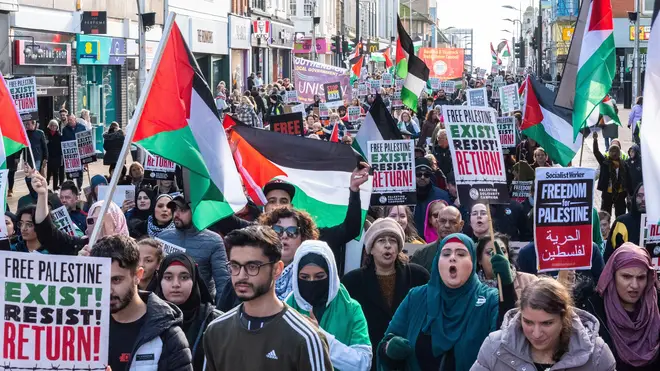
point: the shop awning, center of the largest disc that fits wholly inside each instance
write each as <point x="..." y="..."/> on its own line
<point x="9" y="5"/>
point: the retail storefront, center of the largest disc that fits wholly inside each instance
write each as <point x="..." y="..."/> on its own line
<point x="624" y="39"/>
<point x="208" y="42"/>
<point x="98" y="76"/>
<point x="260" y="48"/>
<point x="281" y="46"/>
<point x="239" y="47"/>
<point x="303" y="48"/>
<point x="48" y="56"/>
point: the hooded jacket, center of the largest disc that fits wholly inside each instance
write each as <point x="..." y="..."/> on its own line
<point x="343" y="322"/>
<point x="161" y="346"/>
<point x="633" y="167"/>
<point x="625" y="228"/>
<point x="112" y="143"/>
<point x="508" y="349"/>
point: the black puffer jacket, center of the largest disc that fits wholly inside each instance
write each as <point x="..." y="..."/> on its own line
<point x="54" y="144"/>
<point x="633" y="167"/>
<point x="112" y="143"/>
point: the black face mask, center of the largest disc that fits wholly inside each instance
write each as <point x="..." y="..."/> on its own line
<point x="315" y="292"/>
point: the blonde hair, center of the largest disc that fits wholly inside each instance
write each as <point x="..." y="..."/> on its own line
<point x="53" y="122"/>
<point x="246" y="101"/>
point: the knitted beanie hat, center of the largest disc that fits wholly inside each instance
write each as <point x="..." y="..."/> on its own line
<point x="380" y="227"/>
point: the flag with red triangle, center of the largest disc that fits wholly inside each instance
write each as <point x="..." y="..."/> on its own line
<point x="334" y="136"/>
<point x="14" y="137"/>
<point x="388" y="59"/>
<point x="356" y="65"/>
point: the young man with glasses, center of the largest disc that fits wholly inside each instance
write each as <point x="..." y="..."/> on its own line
<point x="265" y="333"/>
<point x="450" y="221"/>
<point x="292" y="227"/>
<point x="426" y="191"/>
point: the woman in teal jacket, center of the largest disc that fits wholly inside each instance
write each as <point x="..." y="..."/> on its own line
<point x="441" y="325"/>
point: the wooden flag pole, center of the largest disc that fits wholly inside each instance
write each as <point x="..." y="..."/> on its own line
<point x="132" y="126"/>
<point x="492" y="238"/>
<point x="581" y="150"/>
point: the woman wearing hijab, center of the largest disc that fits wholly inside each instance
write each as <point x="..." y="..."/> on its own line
<point x="136" y="217"/>
<point x="161" y="218"/>
<point x="181" y="284"/>
<point x="11" y="222"/>
<point x="545" y="333"/>
<point x="626" y="305"/>
<point x="439" y="325"/>
<point x="386" y="278"/>
<point x="317" y="293"/>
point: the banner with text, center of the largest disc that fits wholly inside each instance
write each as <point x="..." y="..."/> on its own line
<point x="476" y="154"/>
<point x="509" y="98"/>
<point x="24" y="93"/>
<point x="310" y="77"/>
<point x="506" y="126"/>
<point x="55" y="311"/>
<point x="288" y="123"/>
<point x="521" y="190"/>
<point x="158" y="168"/>
<point x="333" y="96"/>
<point x="72" y="164"/>
<point x="63" y="222"/>
<point x="443" y="63"/>
<point x="393" y="164"/>
<point x="649" y="238"/>
<point x="563" y="218"/>
<point x="86" y="147"/>
<point x="477" y="97"/>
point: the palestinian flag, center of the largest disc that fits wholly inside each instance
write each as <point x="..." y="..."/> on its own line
<point x="356" y="65"/>
<point x="378" y="125"/>
<point x="410" y="68"/>
<point x="650" y="114"/>
<point x="597" y="60"/>
<point x="493" y="54"/>
<point x="14" y="137"/>
<point x="178" y="120"/>
<point x="507" y="51"/>
<point x="388" y="59"/>
<point x="320" y="171"/>
<point x="548" y="124"/>
<point x="606" y="108"/>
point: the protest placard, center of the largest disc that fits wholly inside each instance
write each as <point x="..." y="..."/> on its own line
<point x="435" y="83"/>
<point x="291" y="96"/>
<point x="506" y="126"/>
<point x="324" y="111"/>
<point x="563" y="218"/>
<point x="122" y="192"/>
<point x="55" y="311"/>
<point x="396" y="100"/>
<point x="393" y="164"/>
<point x="333" y="95"/>
<point x="550" y="86"/>
<point x="353" y="113"/>
<point x="375" y="86"/>
<point x="63" y="222"/>
<point x="158" y="168"/>
<point x="24" y="93"/>
<point x="362" y="90"/>
<point x="448" y="86"/>
<point x="521" y="190"/>
<point x="398" y="84"/>
<point x="477" y="97"/>
<point x="86" y="147"/>
<point x="310" y="77"/>
<point x="72" y="164"/>
<point x="170" y="248"/>
<point x="649" y="238"/>
<point x="386" y="80"/>
<point x="509" y="98"/>
<point x="288" y="123"/>
<point x="476" y="154"/>
<point x="300" y="107"/>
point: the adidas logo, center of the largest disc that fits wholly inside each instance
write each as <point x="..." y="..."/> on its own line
<point x="271" y="354"/>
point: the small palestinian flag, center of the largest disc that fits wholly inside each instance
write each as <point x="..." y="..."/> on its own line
<point x="14" y="137"/>
<point x="493" y="54"/>
<point x="356" y="65"/>
<point x="388" y="59"/>
<point x="178" y="120"/>
<point x="378" y="125"/>
<point x="416" y="71"/>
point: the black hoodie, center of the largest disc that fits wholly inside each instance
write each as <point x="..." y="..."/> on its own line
<point x="625" y="228"/>
<point x="633" y="167"/>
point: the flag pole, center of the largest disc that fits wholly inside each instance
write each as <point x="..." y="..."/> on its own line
<point x="132" y="126"/>
<point x="581" y="150"/>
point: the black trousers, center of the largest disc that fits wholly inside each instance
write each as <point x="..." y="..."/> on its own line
<point x="57" y="173"/>
<point x="607" y="201"/>
<point x="10" y="179"/>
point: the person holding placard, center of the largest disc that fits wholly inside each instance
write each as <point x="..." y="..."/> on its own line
<point x="626" y="228"/>
<point x="144" y="329"/>
<point x="29" y="241"/>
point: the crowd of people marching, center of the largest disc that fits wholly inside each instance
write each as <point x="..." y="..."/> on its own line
<point x="267" y="289"/>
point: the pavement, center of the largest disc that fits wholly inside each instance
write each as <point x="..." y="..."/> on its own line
<point x="588" y="160"/>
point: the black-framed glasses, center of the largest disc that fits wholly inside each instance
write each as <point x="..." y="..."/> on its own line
<point x="291" y="232"/>
<point x="423" y="175"/>
<point x="252" y="269"/>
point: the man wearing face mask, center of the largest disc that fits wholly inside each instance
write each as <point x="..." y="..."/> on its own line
<point x="626" y="227"/>
<point x="426" y="191"/>
<point x="318" y="294"/>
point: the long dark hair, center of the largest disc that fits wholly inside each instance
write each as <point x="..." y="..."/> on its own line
<point x="552" y="297"/>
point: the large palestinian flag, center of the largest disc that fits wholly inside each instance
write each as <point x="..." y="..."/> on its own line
<point x="378" y="125"/>
<point x="178" y="120"/>
<point x="320" y="171"/>
<point x="410" y="68"/>
<point x="547" y="124"/>
<point x="14" y="137"/>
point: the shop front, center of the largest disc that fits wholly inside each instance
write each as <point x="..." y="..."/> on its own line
<point x="303" y="48"/>
<point x="47" y="56"/>
<point x="281" y="46"/>
<point x="239" y="47"/>
<point x="260" y="48"/>
<point x="208" y="42"/>
<point x="624" y="39"/>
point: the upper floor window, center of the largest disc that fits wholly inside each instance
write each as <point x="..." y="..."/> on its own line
<point x="308" y="8"/>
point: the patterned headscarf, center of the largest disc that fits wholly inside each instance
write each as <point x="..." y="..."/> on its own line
<point x="118" y="218"/>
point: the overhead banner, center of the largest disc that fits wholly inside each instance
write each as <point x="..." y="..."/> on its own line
<point x="288" y="123"/>
<point x="563" y="218"/>
<point x="506" y="126"/>
<point x="443" y="63"/>
<point x="86" y="146"/>
<point x="509" y="98"/>
<point x="158" y="168"/>
<point x="24" y="93"/>
<point x="477" y="97"/>
<point x="476" y="153"/>
<point x="332" y="93"/>
<point x="72" y="164"/>
<point x="311" y="76"/>
<point x="55" y="311"/>
<point x="393" y="164"/>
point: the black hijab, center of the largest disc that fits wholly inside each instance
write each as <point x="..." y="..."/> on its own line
<point x="199" y="296"/>
<point x="144" y="214"/>
<point x="314" y="292"/>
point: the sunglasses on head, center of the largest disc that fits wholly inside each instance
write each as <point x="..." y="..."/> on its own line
<point x="291" y="232"/>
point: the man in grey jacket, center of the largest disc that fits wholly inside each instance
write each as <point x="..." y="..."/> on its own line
<point x="206" y="247"/>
